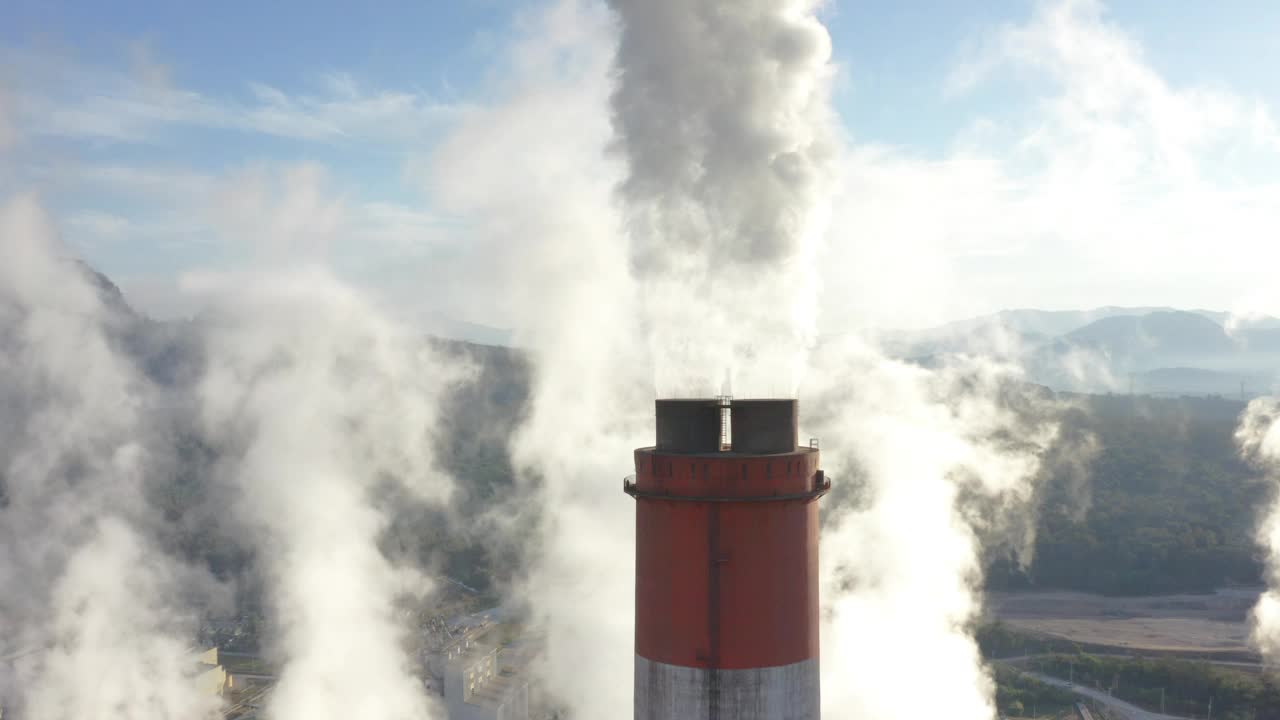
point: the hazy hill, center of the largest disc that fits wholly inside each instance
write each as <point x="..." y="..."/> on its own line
<point x="1050" y="323"/>
<point x="1113" y="349"/>
<point x="112" y="299"/>
<point x="1158" y="333"/>
<point x="1167" y="506"/>
<point x="481" y="414"/>
<point x="1022" y="326"/>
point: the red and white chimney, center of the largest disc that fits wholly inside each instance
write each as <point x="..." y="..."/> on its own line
<point x="727" y="564"/>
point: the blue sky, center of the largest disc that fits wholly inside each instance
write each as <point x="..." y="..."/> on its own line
<point x="161" y="133"/>
<point x="897" y="54"/>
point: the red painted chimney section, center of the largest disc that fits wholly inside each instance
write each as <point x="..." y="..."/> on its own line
<point x="727" y="564"/>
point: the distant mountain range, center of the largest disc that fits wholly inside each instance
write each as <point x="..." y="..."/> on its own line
<point x="171" y="352"/>
<point x="1114" y="349"/>
<point x="1145" y="350"/>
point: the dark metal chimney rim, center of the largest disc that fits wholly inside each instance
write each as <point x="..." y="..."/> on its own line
<point x="748" y="426"/>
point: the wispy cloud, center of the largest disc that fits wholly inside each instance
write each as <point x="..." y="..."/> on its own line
<point x="343" y="108"/>
<point x="155" y="181"/>
<point x="1122" y="181"/>
<point x="100" y="224"/>
<point x="139" y="102"/>
<point x="288" y="212"/>
<point x="8" y="133"/>
<point x="1107" y="182"/>
<point x="261" y="214"/>
<point x="147" y="224"/>
<point x="1104" y="82"/>
<point x="399" y="226"/>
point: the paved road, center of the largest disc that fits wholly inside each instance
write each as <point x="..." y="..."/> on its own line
<point x="1239" y="664"/>
<point x="1119" y="707"/>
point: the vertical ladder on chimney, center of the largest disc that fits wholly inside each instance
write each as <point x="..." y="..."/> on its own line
<point x="726" y="428"/>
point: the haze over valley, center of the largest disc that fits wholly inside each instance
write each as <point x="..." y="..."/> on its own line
<point x="667" y="359"/>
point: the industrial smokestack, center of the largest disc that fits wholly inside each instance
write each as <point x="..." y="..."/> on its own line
<point x="726" y="564"/>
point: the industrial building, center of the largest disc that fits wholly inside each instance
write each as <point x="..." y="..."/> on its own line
<point x="727" y="563"/>
<point x="480" y="678"/>
<point x="211" y="677"/>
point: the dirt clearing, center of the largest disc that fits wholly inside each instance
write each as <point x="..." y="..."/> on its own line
<point x="1212" y="624"/>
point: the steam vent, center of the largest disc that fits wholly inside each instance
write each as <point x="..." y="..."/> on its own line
<point x="726" y="564"/>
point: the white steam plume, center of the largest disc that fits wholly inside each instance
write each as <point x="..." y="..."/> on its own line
<point x="716" y="265"/>
<point x="1259" y="437"/>
<point x="533" y="175"/>
<point x="722" y="110"/>
<point x="943" y="464"/>
<point x="319" y="403"/>
<point x="88" y="603"/>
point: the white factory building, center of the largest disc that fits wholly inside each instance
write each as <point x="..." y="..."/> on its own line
<point x="479" y="679"/>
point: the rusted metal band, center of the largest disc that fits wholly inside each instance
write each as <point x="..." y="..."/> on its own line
<point x="630" y="489"/>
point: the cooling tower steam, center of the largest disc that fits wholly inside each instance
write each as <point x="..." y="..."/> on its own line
<point x="705" y="253"/>
<point x="84" y="595"/>
<point x="1259" y="437"/>
<point x="700" y="249"/>
<point x="549" y="214"/>
<point x="721" y="109"/>
<point x="320" y="405"/>
<point x="943" y="466"/>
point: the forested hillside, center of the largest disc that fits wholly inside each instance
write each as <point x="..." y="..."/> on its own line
<point x="1169" y="505"/>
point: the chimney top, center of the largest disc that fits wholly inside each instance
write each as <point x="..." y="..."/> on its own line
<point x="711" y="425"/>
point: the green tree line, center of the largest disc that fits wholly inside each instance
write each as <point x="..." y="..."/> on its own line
<point x="1168" y="505"/>
<point x="1185" y="687"/>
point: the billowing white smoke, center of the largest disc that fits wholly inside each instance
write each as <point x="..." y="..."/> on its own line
<point x="722" y="111"/>
<point x="85" y="599"/>
<point x="1259" y="437"/>
<point x="319" y="404"/>
<point x="322" y="412"/>
<point x="942" y="463"/>
<point x="533" y="175"/>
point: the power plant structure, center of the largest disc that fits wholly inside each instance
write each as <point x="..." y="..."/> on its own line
<point x="727" y="564"/>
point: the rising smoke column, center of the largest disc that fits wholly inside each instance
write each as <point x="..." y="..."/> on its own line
<point x="722" y="111"/>
<point x="719" y="110"/>
<point x="706" y="119"/>
<point x="1259" y="437"/>
<point x="943" y="466"/>
<point x="319" y="403"/>
<point x="533" y="178"/>
<point x="84" y="597"/>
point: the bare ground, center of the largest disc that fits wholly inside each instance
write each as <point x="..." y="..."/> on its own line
<point x="1214" y="624"/>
